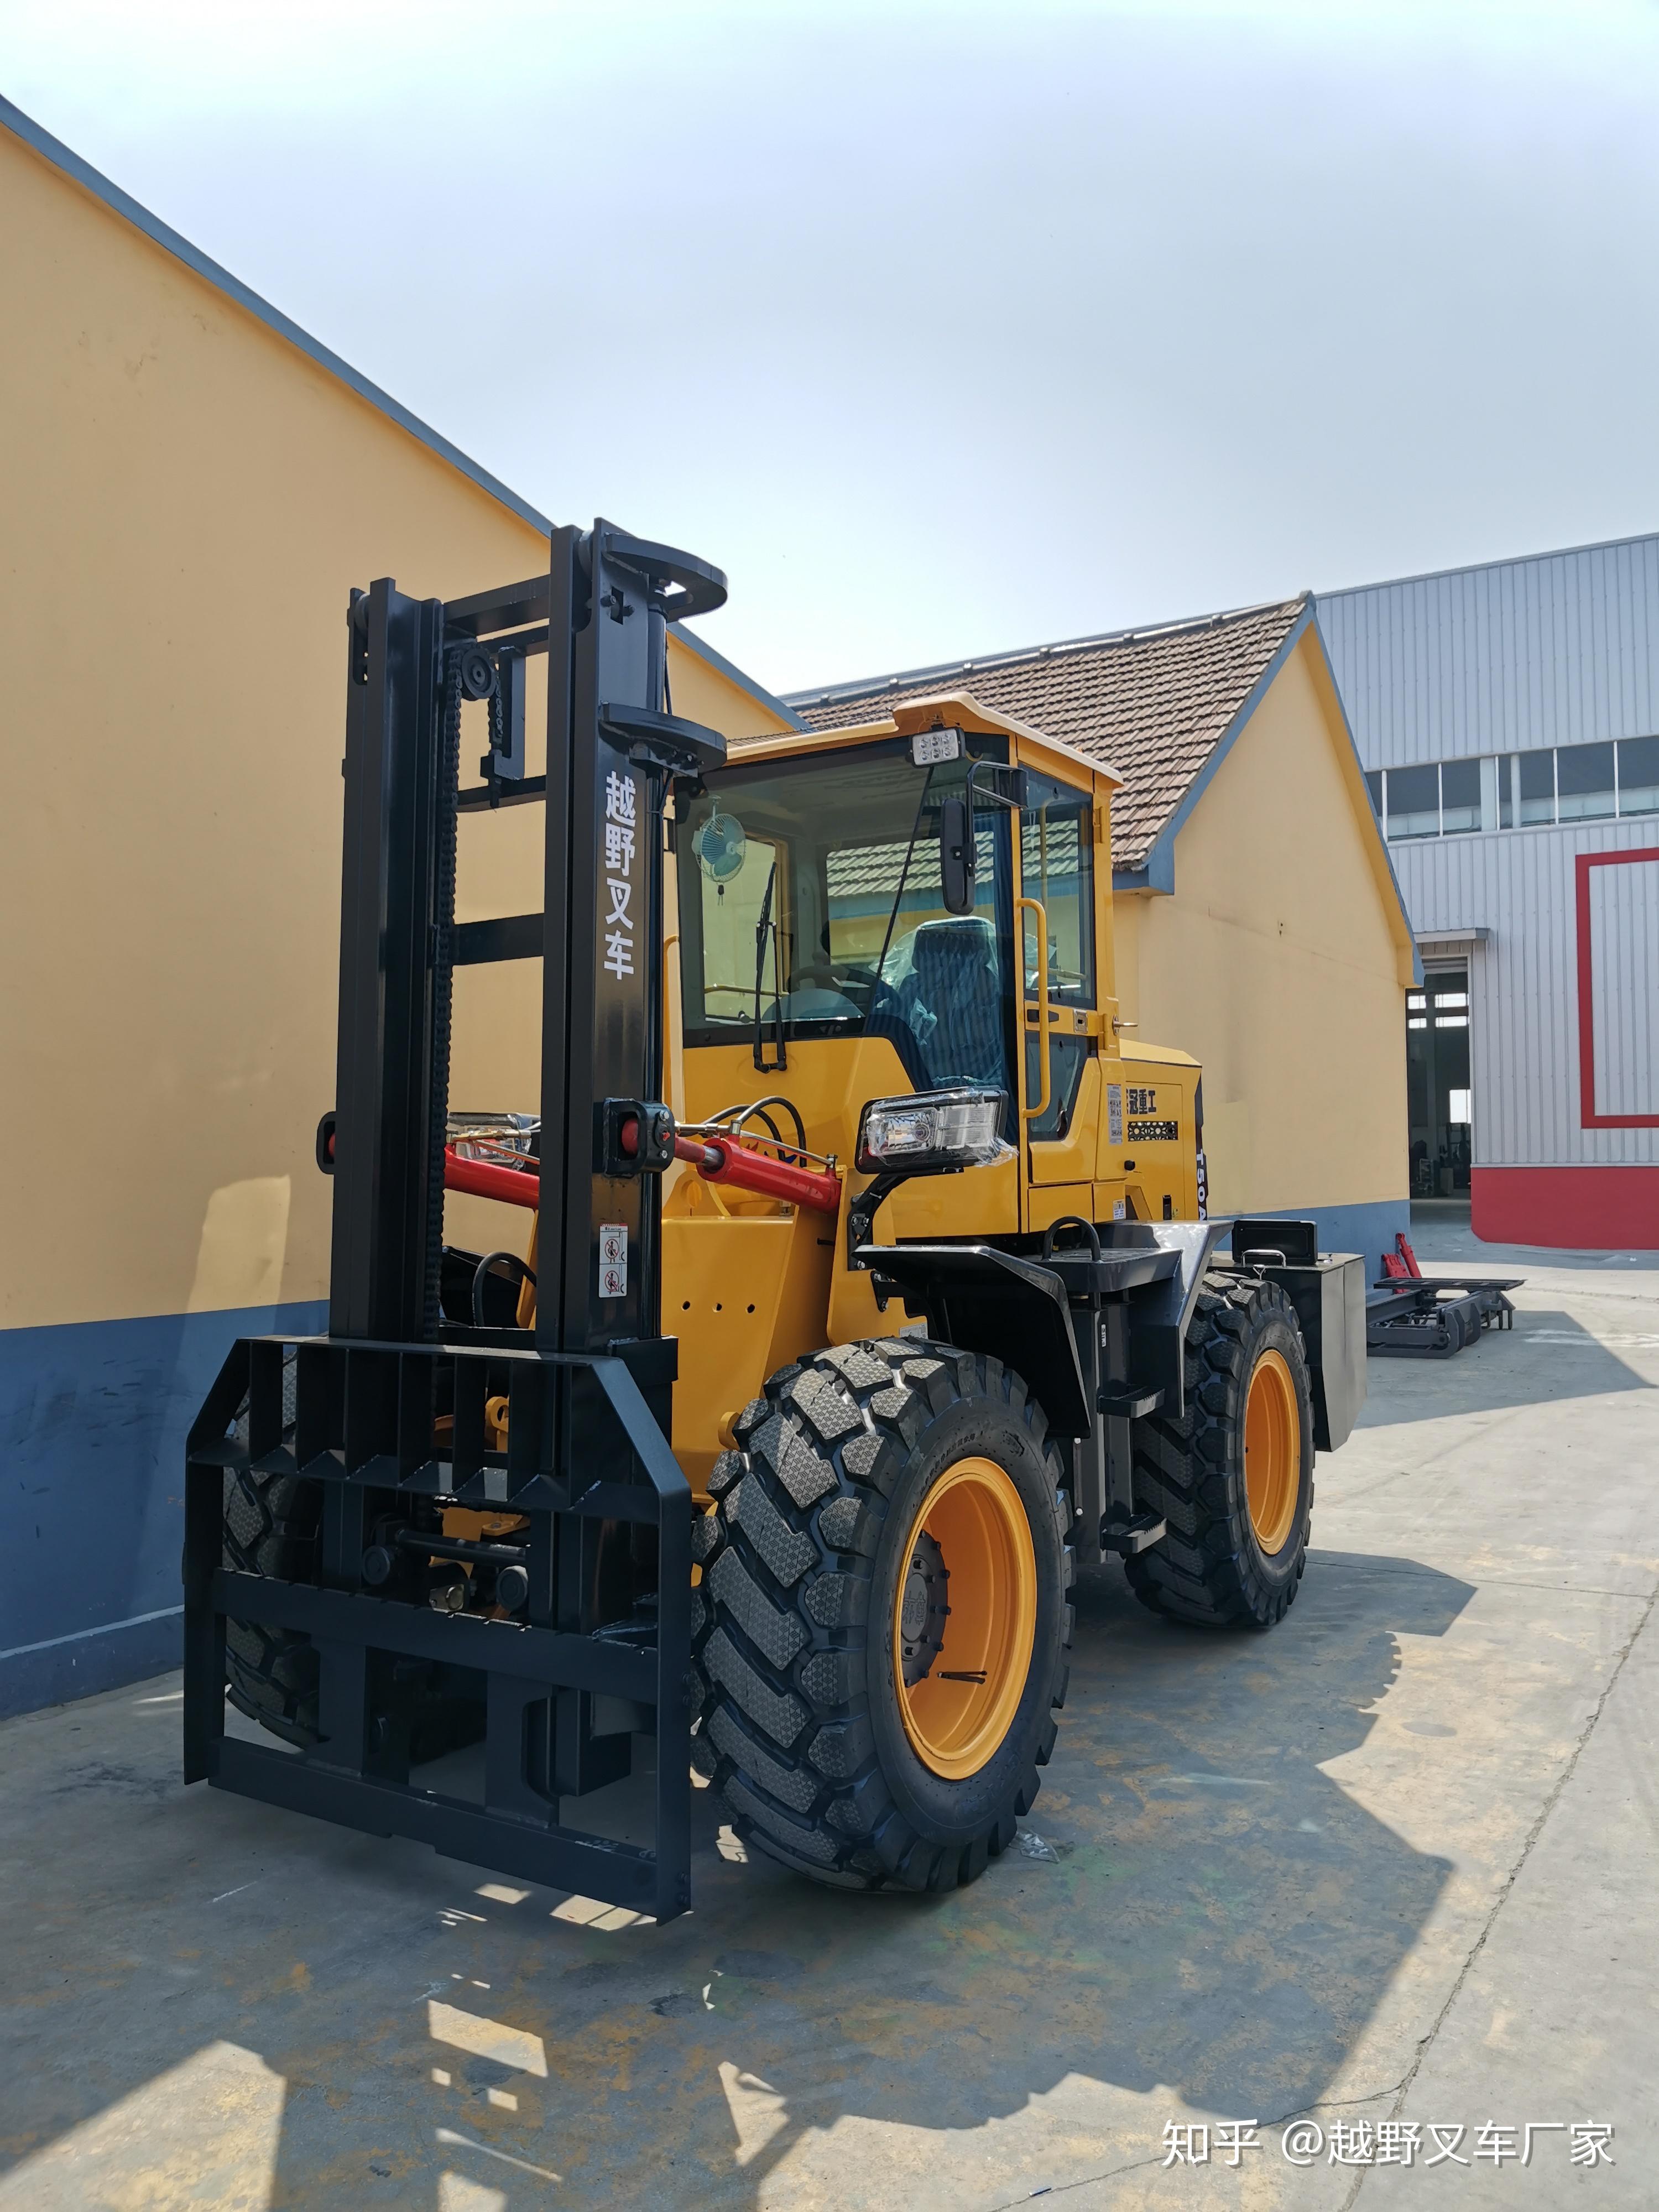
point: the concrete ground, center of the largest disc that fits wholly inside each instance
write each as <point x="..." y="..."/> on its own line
<point x="1395" y="1863"/>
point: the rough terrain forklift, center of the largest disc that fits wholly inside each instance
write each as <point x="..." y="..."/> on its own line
<point x="863" y="1293"/>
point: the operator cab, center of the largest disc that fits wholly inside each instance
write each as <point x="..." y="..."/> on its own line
<point x="831" y="893"/>
<point x="811" y="911"/>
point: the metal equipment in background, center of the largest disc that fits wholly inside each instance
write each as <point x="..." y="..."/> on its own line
<point x="1419" y="1317"/>
<point x="580" y="1529"/>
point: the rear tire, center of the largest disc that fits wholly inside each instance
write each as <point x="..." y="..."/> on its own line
<point x="845" y="1743"/>
<point x="1222" y="1560"/>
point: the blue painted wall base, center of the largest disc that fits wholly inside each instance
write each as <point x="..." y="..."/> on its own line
<point x="1368" y="1229"/>
<point x="93" y="1419"/>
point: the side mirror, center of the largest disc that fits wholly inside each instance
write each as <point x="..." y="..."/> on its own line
<point x="956" y="855"/>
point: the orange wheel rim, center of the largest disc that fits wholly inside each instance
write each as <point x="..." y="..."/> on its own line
<point x="1272" y="1450"/>
<point x="957" y="1715"/>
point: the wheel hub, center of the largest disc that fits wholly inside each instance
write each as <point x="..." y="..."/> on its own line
<point x="1272" y="1451"/>
<point x="960" y="1667"/>
<point x="923" y="1608"/>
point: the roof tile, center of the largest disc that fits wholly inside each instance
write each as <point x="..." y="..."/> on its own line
<point x="1152" y="704"/>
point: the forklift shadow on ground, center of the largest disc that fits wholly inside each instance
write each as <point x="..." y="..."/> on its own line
<point x="1502" y="1370"/>
<point x="1195" y="1904"/>
<point x="1209" y="1914"/>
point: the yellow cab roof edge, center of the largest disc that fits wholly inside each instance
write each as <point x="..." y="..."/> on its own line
<point x="938" y="711"/>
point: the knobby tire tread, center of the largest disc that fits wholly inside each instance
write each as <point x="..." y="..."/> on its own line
<point x="1208" y="1569"/>
<point x="272" y="1525"/>
<point x="781" y="1623"/>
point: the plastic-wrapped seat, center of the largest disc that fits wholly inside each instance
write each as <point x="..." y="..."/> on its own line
<point x="954" y="1000"/>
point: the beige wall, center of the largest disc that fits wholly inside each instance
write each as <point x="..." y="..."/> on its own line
<point x="1277" y="963"/>
<point x="188" y="500"/>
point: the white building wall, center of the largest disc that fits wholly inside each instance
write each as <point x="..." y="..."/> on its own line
<point x="1553" y="649"/>
<point x="1520" y="886"/>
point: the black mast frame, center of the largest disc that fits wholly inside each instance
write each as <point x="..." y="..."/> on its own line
<point x="567" y="1688"/>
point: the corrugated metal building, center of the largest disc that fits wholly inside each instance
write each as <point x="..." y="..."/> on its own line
<point x="1508" y="719"/>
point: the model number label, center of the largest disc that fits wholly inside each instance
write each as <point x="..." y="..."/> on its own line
<point x="1154" y="1133"/>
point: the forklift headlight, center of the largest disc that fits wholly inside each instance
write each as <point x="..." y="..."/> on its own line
<point x="931" y="1132"/>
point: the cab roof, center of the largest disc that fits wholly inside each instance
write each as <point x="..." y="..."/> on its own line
<point x="937" y="710"/>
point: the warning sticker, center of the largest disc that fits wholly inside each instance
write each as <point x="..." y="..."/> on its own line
<point x="1115" y="1112"/>
<point x="613" y="1259"/>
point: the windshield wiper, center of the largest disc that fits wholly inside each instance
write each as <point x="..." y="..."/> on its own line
<point x="768" y="1066"/>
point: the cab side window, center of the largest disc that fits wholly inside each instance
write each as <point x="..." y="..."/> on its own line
<point x="1057" y="866"/>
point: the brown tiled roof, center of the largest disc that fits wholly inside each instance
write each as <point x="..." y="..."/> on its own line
<point x="1152" y="704"/>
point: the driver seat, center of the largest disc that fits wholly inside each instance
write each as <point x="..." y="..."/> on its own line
<point x="956" y="977"/>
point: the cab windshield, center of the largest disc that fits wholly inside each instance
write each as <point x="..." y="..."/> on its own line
<point x="810" y="906"/>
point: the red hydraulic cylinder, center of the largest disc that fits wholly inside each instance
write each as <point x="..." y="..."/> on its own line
<point x="717" y="1160"/>
<point x="723" y="1161"/>
<point x="480" y="1179"/>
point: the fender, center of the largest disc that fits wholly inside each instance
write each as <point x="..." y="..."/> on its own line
<point x="994" y="1302"/>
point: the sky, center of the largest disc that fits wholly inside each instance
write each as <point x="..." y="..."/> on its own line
<point x="944" y="330"/>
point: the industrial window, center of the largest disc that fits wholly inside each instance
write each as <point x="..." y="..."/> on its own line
<point x="1530" y="790"/>
<point x="1537" y="780"/>
<point x="1460" y="795"/>
<point x="1638" y="775"/>
<point x="1413" y="802"/>
<point x="1585" y="782"/>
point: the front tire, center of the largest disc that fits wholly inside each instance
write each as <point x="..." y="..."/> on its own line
<point x="874" y="1714"/>
<point x="1234" y="1475"/>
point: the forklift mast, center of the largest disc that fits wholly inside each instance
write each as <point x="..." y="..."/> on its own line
<point x="389" y="1411"/>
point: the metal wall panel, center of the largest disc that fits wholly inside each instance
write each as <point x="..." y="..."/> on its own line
<point x="1557" y="649"/>
<point x="1520" y="885"/>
